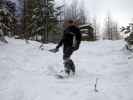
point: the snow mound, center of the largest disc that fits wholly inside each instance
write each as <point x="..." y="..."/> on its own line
<point x="27" y="72"/>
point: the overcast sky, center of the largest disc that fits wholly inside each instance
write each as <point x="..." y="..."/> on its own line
<point x="120" y="10"/>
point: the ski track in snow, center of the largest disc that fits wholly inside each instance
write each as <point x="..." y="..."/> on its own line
<point x="27" y="73"/>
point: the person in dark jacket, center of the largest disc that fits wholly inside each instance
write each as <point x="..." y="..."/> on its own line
<point x="70" y="41"/>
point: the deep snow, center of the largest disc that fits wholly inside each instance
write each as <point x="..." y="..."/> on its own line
<point x="27" y="72"/>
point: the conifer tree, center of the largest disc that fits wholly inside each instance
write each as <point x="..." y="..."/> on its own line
<point x="41" y="18"/>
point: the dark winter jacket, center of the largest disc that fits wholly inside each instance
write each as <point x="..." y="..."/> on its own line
<point x="71" y="38"/>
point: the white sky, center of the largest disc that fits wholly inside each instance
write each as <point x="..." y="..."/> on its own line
<point x="120" y="10"/>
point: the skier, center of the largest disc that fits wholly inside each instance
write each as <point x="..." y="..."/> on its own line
<point x="71" y="40"/>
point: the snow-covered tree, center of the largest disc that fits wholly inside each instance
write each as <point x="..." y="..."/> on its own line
<point x="96" y="26"/>
<point x="82" y="17"/>
<point x="42" y="20"/>
<point x="71" y="11"/>
<point x="2" y="38"/>
<point x="76" y="11"/>
<point x="111" y="29"/>
<point x="129" y="39"/>
<point x="7" y="18"/>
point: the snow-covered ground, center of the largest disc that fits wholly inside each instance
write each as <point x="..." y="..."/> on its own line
<point x="27" y="72"/>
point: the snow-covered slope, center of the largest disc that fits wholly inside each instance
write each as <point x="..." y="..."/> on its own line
<point x="27" y="73"/>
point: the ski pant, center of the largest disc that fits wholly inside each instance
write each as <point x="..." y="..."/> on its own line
<point x="68" y="63"/>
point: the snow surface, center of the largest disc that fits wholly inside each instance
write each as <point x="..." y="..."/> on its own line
<point x="27" y="72"/>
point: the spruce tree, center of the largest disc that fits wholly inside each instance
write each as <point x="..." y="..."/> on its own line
<point x="7" y="18"/>
<point x="42" y="19"/>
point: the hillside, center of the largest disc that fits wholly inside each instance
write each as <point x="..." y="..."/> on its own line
<point x="27" y="72"/>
